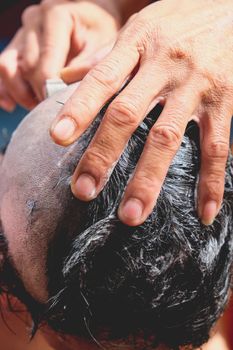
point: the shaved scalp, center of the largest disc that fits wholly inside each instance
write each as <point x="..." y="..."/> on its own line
<point x="32" y="168"/>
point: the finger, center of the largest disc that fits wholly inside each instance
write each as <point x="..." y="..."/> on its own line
<point x="6" y="102"/>
<point x="55" y="45"/>
<point x="17" y="88"/>
<point x="215" y="145"/>
<point x="94" y="91"/>
<point x="32" y="22"/>
<point x="30" y="49"/>
<point x="162" y="143"/>
<point x="20" y="91"/>
<point x="122" y="118"/>
<point x="29" y="61"/>
<point x="9" y="56"/>
<point x="78" y="68"/>
<point x="30" y="52"/>
<point x="85" y="61"/>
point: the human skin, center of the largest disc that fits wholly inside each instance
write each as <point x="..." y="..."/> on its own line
<point x="14" y="328"/>
<point x="181" y="52"/>
<point x="57" y="34"/>
<point x="14" y="218"/>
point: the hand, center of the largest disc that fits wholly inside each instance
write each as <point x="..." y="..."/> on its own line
<point x="13" y="88"/>
<point x="54" y="34"/>
<point x="183" y="51"/>
<point x="80" y="66"/>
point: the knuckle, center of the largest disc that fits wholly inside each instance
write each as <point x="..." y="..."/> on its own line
<point x="27" y="66"/>
<point x="216" y="150"/>
<point x="144" y="34"/>
<point x="122" y="114"/>
<point x="47" y="50"/>
<point x="216" y="89"/>
<point x="167" y="137"/>
<point x="214" y="185"/>
<point x="95" y="156"/>
<point x="78" y="109"/>
<point x="29" y="14"/>
<point x="145" y="186"/>
<point x="105" y="75"/>
<point x="79" y="106"/>
<point x="145" y="180"/>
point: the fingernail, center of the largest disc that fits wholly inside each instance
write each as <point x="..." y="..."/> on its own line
<point x="63" y="71"/>
<point x="132" y="209"/>
<point x="85" y="187"/>
<point x="66" y="72"/>
<point x="64" y="129"/>
<point x="209" y="213"/>
<point x="62" y="75"/>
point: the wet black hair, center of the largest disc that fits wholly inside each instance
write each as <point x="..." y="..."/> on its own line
<point x="166" y="281"/>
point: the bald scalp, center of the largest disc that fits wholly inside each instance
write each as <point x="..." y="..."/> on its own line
<point x="35" y="185"/>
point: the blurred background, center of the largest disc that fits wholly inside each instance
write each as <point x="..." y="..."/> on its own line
<point x="10" y="14"/>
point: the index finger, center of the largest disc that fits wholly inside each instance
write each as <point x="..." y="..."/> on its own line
<point x="98" y="86"/>
<point x="55" y="43"/>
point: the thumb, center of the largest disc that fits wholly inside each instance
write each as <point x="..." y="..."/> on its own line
<point x="79" y="66"/>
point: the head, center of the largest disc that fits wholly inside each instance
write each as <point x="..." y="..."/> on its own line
<point x="89" y="277"/>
